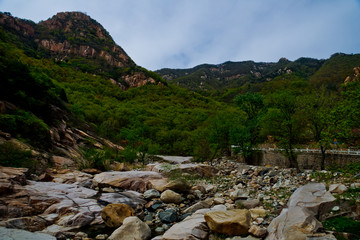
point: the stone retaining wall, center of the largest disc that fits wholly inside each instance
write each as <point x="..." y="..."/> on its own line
<point x="305" y="160"/>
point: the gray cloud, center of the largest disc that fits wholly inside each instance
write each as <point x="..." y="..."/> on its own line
<point x="180" y="34"/>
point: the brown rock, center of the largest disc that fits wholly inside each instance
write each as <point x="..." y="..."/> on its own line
<point x="45" y="177"/>
<point x="170" y="196"/>
<point x="231" y="222"/>
<point x="257" y="213"/>
<point x="258" y="231"/>
<point x="62" y="162"/>
<point x="247" y="204"/>
<point x="91" y="171"/>
<point x="114" y="214"/>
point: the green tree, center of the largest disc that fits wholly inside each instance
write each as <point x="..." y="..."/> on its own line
<point x="245" y="134"/>
<point x="284" y="122"/>
<point x="318" y="112"/>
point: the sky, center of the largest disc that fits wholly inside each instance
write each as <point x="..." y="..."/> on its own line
<point x="184" y="33"/>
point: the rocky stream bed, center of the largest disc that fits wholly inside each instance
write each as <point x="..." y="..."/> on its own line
<point x="174" y="199"/>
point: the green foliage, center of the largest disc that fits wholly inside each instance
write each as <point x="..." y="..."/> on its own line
<point x="27" y="126"/>
<point x="12" y="156"/>
<point x="343" y="224"/>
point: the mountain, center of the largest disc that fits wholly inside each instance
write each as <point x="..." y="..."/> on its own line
<point x="73" y="38"/>
<point x="68" y="91"/>
<point x="239" y="77"/>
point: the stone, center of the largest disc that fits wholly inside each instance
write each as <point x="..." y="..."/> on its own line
<point x="298" y="220"/>
<point x="62" y="162"/>
<point x="152" y="193"/>
<point x="239" y="194"/>
<point x="131" y="180"/>
<point x="131" y="198"/>
<point x="101" y="237"/>
<point x="321" y="237"/>
<point x="201" y="170"/>
<point x="219" y="201"/>
<point x="192" y="227"/>
<point x="8" y="233"/>
<point x="117" y="166"/>
<point x="337" y="188"/>
<point x="199" y="205"/>
<point x="91" y="171"/>
<point x="168" y="216"/>
<point x="231" y="222"/>
<point x="45" y="177"/>
<point x="132" y="229"/>
<point x="175" y="159"/>
<point x="170" y="196"/>
<point x="159" y="184"/>
<point x="247" y="204"/>
<point x="114" y="214"/>
<point x="178" y="185"/>
<point x="258" y="231"/>
<point x="257" y="213"/>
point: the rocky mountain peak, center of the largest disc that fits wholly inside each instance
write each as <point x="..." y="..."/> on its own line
<point x="78" y="23"/>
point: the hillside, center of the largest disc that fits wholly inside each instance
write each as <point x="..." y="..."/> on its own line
<point x="63" y="95"/>
<point x="228" y="79"/>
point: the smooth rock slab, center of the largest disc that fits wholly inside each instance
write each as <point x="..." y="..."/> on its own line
<point x="131" y="198"/>
<point x="9" y="234"/>
<point x="132" y="180"/>
<point x="298" y="220"/>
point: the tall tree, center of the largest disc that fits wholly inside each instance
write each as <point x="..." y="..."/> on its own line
<point x="245" y="134"/>
<point x="317" y="109"/>
<point x="283" y="121"/>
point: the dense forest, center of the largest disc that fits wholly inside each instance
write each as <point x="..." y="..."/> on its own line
<point x="199" y="112"/>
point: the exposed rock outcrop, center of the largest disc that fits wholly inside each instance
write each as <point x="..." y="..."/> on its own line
<point x="299" y="219"/>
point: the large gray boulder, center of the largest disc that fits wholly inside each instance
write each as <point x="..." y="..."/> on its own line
<point x="299" y="219"/>
<point x="131" y="180"/>
<point x="132" y="229"/>
<point x="8" y="233"/>
<point x="191" y="228"/>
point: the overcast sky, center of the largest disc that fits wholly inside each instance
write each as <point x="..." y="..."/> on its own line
<point x="184" y="33"/>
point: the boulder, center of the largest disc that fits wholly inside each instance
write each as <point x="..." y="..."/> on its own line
<point x="132" y="229"/>
<point x="298" y="220"/>
<point x="201" y="170"/>
<point x="257" y="213"/>
<point x="192" y="227"/>
<point x="247" y="204"/>
<point x="199" y="205"/>
<point x="231" y="222"/>
<point x="168" y="216"/>
<point x="131" y="198"/>
<point x="258" y="231"/>
<point x="170" y="196"/>
<point x="159" y="184"/>
<point x="8" y="233"/>
<point x="337" y="188"/>
<point x="62" y="206"/>
<point x="131" y="180"/>
<point x="114" y="214"/>
<point x="152" y="193"/>
<point x="175" y="159"/>
<point x="178" y="185"/>
<point x="239" y="194"/>
<point x="62" y="162"/>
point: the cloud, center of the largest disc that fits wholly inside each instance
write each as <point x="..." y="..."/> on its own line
<point x="181" y="34"/>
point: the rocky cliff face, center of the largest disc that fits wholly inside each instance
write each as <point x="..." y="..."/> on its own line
<point x="69" y="35"/>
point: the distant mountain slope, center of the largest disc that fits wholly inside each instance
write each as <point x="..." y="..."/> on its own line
<point x="229" y="76"/>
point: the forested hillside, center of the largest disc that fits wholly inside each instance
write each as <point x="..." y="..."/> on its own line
<point x="67" y="89"/>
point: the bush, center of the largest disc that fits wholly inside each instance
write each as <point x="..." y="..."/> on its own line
<point x="343" y="224"/>
<point x="12" y="156"/>
<point x="24" y="125"/>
